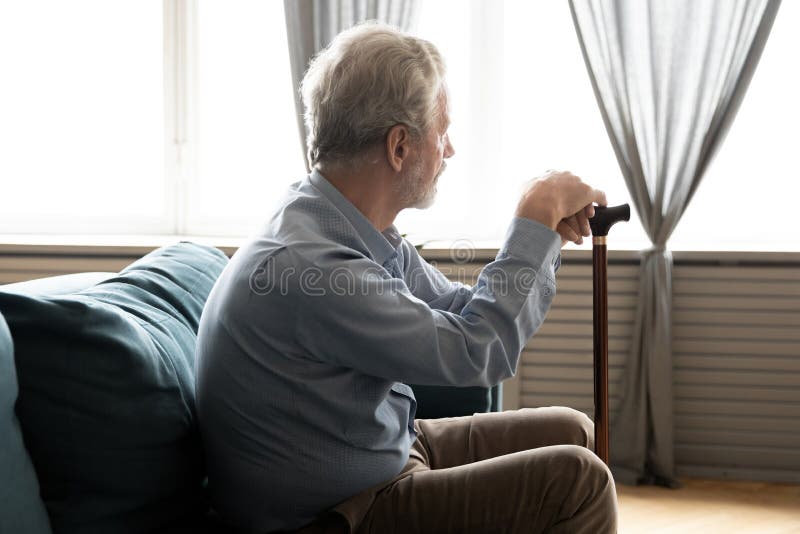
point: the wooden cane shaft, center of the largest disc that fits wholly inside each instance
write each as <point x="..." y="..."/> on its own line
<point x="600" y="316"/>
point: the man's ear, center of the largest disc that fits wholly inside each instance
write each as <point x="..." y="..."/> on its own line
<point x="398" y="146"/>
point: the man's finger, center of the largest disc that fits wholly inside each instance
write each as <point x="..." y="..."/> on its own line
<point x="574" y="224"/>
<point x="567" y="232"/>
<point x="583" y="222"/>
<point x="599" y="197"/>
<point x="576" y="227"/>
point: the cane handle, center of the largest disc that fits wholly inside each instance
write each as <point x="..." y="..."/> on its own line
<point x="605" y="217"/>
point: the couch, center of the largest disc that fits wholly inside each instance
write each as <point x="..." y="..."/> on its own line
<point x="97" y="421"/>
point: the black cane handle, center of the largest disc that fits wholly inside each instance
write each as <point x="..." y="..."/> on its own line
<point x="605" y="217"/>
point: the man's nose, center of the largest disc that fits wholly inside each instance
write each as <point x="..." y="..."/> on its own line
<point x="449" y="151"/>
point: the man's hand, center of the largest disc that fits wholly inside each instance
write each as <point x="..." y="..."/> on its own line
<point x="561" y="201"/>
<point x="575" y="227"/>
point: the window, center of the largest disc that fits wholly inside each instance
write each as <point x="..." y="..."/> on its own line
<point x="81" y="117"/>
<point x="146" y="118"/>
<point x="748" y="198"/>
<point x="522" y="103"/>
<point x="248" y="146"/>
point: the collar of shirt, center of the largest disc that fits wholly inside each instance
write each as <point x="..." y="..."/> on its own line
<point x="381" y="245"/>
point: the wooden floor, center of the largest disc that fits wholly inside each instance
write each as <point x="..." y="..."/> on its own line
<point x="709" y="507"/>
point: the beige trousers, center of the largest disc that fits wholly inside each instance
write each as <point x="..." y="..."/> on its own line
<point x="529" y="470"/>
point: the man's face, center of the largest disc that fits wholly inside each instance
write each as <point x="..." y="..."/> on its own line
<point x="418" y="186"/>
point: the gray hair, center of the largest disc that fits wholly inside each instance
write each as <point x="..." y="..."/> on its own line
<point x="370" y="78"/>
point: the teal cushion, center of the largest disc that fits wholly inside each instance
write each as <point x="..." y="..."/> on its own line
<point x="106" y="397"/>
<point x="21" y="508"/>
<point x="64" y="284"/>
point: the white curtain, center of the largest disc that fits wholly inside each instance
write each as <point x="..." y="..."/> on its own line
<point x="669" y="77"/>
<point x="312" y="24"/>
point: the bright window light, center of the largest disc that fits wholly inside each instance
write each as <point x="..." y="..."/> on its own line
<point x="81" y="125"/>
<point x="541" y="112"/>
<point x="248" y="144"/>
<point x="748" y="198"/>
<point x="550" y="114"/>
<point x="522" y="104"/>
<point x="84" y="126"/>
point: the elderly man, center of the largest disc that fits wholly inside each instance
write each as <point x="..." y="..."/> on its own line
<point x="314" y="328"/>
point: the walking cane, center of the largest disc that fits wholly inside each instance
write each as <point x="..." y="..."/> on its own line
<point x="604" y="218"/>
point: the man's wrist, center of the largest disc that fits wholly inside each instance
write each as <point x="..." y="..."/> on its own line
<point x="545" y="215"/>
<point x="531" y="240"/>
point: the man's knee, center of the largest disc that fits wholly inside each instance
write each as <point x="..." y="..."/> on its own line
<point x="582" y="426"/>
<point x="588" y="486"/>
<point x="580" y="462"/>
<point x="577" y="428"/>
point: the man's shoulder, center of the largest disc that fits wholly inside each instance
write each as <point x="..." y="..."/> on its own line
<point x="300" y="252"/>
<point x="307" y="223"/>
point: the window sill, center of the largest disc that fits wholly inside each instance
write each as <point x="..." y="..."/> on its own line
<point x="132" y="246"/>
<point x="104" y="245"/>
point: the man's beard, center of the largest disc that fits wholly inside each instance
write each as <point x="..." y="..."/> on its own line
<point x="414" y="191"/>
